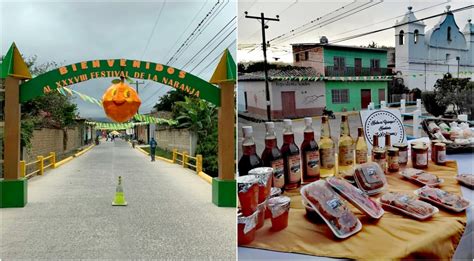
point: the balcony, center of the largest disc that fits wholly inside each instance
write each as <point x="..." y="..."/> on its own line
<point x="354" y="71"/>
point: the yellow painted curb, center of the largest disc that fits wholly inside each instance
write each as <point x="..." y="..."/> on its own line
<point x="142" y="151"/>
<point x="63" y="161"/>
<point x="83" y="151"/>
<point x="164" y="159"/>
<point x="205" y="177"/>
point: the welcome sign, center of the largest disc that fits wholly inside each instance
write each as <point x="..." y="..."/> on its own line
<point x="381" y="122"/>
<point x="84" y="71"/>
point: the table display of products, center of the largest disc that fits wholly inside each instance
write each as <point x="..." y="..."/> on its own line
<point x="456" y="134"/>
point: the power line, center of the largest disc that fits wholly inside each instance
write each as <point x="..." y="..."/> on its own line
<point x="153" y="30"/>
<point x="213" y="60"/>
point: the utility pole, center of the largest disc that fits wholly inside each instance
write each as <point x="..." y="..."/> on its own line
<point x="425" y="76"/>
<point x="136" y="89"/>
<point x="458" y="59"/>
<point x="262" y="19"/>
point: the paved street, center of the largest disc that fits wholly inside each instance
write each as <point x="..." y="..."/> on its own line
<point x="69" y="214"/>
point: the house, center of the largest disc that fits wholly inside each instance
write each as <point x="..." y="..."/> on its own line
<point x="423" y="57"/>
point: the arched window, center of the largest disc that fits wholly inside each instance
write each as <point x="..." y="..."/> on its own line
<point x="415" y="34"/>
<point x="449" y="33"/>
<point x="401" y="37"/>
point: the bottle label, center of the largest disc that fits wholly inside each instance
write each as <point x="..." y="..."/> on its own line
<point x="278" y="173"/>
<point x="382" y="163"/>
<point x="441" y="156"/>
<point x="421" y="159"/>
<point x="346" y="155"/>
<point x="361" y="156"/>
<point x="327" y="158"/>
<point x="403" y="157"/>
<point x="294" y="168"/>
<point x="393" y="163"/>
<point x="312" y="163"/>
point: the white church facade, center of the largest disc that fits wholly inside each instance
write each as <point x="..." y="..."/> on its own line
<point x="422" y="56"/>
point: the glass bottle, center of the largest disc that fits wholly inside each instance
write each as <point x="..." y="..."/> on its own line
<point x="346" y="146"/>
<point x="361" y="147"/>
<point x="375" y="146"/>
<point x="271" y="156"/>
<point x="388" y="144"/>
<point x="249" y="159"/>
<point x="309" y="154"/>
<point x="291" y="157"/>
<point x="326" y="149"/>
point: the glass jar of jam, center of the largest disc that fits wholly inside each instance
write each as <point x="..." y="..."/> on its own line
<point x="261" y="214"/>
<point x="248" y="194"/>
<point x="380" y="158"/>
<point x="440" y="149"/>
<point x="420" y="156"/>
<point x="274" y="192"/>
<point x="433" y="150"/>
<point x="264" y="176"/>
<point x="402" y="153"/>
<point x="246" y="227"/>
<point x="392" y="160"/>
<point x="279" y="207"/>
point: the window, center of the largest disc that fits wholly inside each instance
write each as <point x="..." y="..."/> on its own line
<point x="449" y="34"/>
<point x="339" y="63"/>
<point x="401" y="37"/>
<point x="415" y="33"/>
<point x="375" y="64"/>
<point x="340" y="96"/>
<point x="306" y="56"/>
<point x="297" y="57"/>
<point x="448" y="57"/>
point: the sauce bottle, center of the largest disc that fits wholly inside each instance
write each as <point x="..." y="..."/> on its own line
<point x="361" y="147"/>
<point x="291" y="157"/>
<point x="272" y="157"/>
<point x="309" y="154"/>
<point x="326" y="149"/>
<point x="249" y="159"/>
<point x="346" y="146"/>
<point x="375" y="146"/>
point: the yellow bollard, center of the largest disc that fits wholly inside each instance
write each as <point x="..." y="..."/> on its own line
<point x="53" y="159"/>
<point x="185" y="158"/>
<point x="40" y="165"/>
<point x="175" y="151"/>
<point x="198" y="163"/>
<point x="22" y="168"/>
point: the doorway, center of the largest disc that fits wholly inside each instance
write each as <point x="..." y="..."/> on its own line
<point x="288" y="104"/>
<point x="365" y="98"/>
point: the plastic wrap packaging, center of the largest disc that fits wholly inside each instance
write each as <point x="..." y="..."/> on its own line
<point x="274" y="192"/>
<point x="466" y="179"/>
<point x="370" y="178"/>
<point x="248" y="194"/>
<point x="261" y="214"/>
<point x="358" y="198"/>
<point x="264" y="176"/>
<point x="280" y="207"/>
<point x="421" y="177"/>
<point x="246" y="227"/>
<point x="330" y="207"/>
<point x="443" y="198"/>
<point x="408" y="205"/>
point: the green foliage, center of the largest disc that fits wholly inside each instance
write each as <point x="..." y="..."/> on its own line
<point x="26" y="133"/>
<point x="431" y="106"/>
<point x="456" y="92"/>
<point x="167" y="101"/>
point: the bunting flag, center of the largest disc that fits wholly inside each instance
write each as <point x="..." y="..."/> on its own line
<point x="151" y="119"/>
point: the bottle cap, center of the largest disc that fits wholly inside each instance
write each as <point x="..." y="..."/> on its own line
<point x="287" y="122"/>
<point x="269" y="125"/>
<point x="308" y="121"/>
<point x="248" y="130"/>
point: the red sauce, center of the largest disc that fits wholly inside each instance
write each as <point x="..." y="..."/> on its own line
<point x="261" y="215"/>
<point x="243" y="238"/>
<point x="280" y="222"/>
<point x="249" y="200"/>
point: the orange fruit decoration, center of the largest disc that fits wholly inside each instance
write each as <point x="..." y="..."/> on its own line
<point x="120" y="102"/>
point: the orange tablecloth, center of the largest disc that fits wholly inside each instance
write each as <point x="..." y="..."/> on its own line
<point x="394" y="236"/>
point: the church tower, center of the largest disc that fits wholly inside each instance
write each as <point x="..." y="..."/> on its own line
<point x="469" y="35"/>
<point x="409" y="40"/>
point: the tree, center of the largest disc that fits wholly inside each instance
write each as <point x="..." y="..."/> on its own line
<point x="167" y="101"/>
<point x="456" y="92"/>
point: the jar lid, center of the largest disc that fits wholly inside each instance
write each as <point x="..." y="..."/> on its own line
<point x="244" y="183"/>
<point x="392" y="151"/>
<point x="379" y="151"/>
<point x="400" y="145"/>
<point x="420" y="147"/>
<point x="439" y="144"/>
<point x="275" y="192"/>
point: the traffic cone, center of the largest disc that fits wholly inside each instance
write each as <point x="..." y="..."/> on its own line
<point x="119" y="199"/>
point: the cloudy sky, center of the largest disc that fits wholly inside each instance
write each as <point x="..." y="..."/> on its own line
<point x="72" y="31"/>
<point x="337" y="20"/>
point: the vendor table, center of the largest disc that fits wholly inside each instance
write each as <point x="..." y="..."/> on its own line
<point x="464" y="250"/>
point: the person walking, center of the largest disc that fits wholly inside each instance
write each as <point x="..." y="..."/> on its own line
<point x="153" y="145"/>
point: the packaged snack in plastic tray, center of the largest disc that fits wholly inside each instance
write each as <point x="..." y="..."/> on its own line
<point x="370" y="178"/>
<point x="408" y="205"/>
<point x="358" y="198"/>
<point x="421" y="177"/>
<point x="466" y="179"/>
<point x="443" y="198"/>
<point x="310" y="212"/>
<point x="327" y="203"/>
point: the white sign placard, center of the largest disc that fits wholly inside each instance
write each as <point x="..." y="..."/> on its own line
<point x="381" y="122"/>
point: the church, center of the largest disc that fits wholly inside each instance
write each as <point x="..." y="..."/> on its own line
<point x="422" y="57"/>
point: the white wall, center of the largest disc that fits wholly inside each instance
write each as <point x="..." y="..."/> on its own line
<point x="307" y="94"/>
<point x="255" y="94"/>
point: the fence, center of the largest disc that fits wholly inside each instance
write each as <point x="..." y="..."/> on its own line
<point x="183" y="159"/>
<point x="39" y="163"/>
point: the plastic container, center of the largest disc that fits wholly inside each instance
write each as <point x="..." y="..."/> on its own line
<point x="261" y="214"/>
<point x="264" y="175"/>
<point x="466" y="179"/>
<point x="274" y="192"/>
<point x="330" y="207"/>
<point x="408" y="205"/>
<point x="246" y="227"/>
<point x="421" y="177"/>
<point x="443" y="198"/>
<point x="280" y="207"/>
<point x="355" y="196"/>
<point x="248" y="194"/>
<point x="370" y="178"/>
<point x="311" y="214"/>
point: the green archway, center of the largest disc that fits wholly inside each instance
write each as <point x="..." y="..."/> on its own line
<point x="89" y="70"/>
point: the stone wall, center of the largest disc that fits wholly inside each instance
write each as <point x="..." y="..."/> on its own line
<point x="180" y="139"/>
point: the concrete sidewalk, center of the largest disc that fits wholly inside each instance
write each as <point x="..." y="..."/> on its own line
<point x="69" y="214"/>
